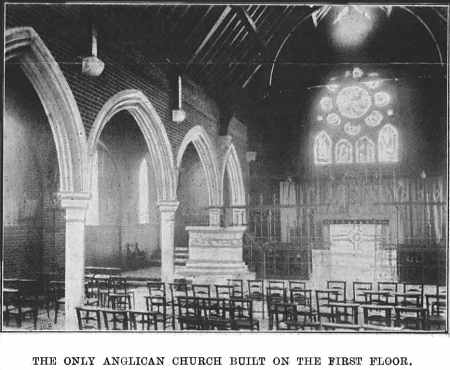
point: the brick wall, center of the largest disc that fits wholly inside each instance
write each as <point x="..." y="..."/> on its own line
<point x="125" y="69"/>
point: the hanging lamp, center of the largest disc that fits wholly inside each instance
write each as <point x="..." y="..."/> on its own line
<point x="92" y="66"/>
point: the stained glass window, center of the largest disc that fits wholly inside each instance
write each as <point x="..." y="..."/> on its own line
<point x="388" y="144"/>
<point x="322" y="148"/>
<point x="353" y="111"/>
<point x="365" y="150"/>
<point x="143" y="208"/>
<point x="343" y="152"/>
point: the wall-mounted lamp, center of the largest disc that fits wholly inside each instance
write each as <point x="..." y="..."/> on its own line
<point x="92" y="66"/>
<point x="178" y="114"/>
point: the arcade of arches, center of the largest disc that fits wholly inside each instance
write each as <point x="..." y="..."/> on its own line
<point x="346" y="183"/>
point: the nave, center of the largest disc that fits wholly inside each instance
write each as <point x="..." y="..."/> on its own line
<point x="222" y="167"/>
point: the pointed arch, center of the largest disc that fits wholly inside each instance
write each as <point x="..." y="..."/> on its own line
<point x="343" y="152"/>
<point x="322" y="148"/>
<point x="365" y="150"/>
<point x="151" y="126"/>
<point x="39" y="66"/>
<point x="232" y="166"/>
<point x="388" y="146"/>
<point x="205" y="149"/>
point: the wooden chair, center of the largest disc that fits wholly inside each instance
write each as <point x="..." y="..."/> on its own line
<point x="256" y="293"/>
<point x="241" y="314"/>
<point x="344" y="312"/>
<point x="177" y="289"/>
<point x="100" y="284"/>
<point x="237" y="287"/>
<point x="115" y="319"/>
<point x="340" y="286"/>
<point x="223" y="291"/>
<point x="158" y="307"/>
<point x="323" y="298"/>
<point x="143" y="320"/>
<point x="214" y="313"/>
<point x="158" y="289"/>
<point x="302" y="298"/>
<point x="410" y="317"/>
<point x="91" y="293"/>
<point x="436" y="311"/>
<point x="374" y="314"/>
<point x="297" y="284"/>
<point x="201" y="290"/>
<point x="390" y="287"/>
<point x="88" y="318"/>
<point x="119" y="296"/>
<point x="15" y="305"/>
<point x="359" y="288"/>
<point x="274" y="296"/>
<point x="188" y="316"/>
<point x="56" y="297"/>
<point x="414" y="288"/>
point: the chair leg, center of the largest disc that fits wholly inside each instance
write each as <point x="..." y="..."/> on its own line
<point x="6" y="316"/>
<point x="35" y="316"/>
<point x="56" y="312"/>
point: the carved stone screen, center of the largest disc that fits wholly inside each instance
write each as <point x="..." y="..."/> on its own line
<point x="356" y="253"/>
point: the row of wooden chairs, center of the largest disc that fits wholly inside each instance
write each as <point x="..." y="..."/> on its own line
<point x="191" y="314"/>
<point x="96" y="318"/>
<point x="109" y="291"/>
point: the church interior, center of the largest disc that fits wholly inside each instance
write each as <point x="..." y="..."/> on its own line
<point x="225" y="167"/>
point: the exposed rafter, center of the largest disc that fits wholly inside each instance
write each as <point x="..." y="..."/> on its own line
<point x="211" y="32"/>
<point x="250" y="25"/>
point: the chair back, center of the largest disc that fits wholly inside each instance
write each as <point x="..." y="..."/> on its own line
<point x="223" y="291"/>
<point x="297" y="284"/>
<point x="256" y="289"/>
<point x="359" y="287"/>
<point x="117" y="285"/>
<point x="156" y="289"/>
<point x="276" y="284"/>
<point x="388" y="286"/>
<point x="241" y="308"/>
<point x="302" y="298"/>
<point x="201" y="290"/>
<point x="88" y="318"/>
<point x="142" y="320"/>
<point x="237" y="287"/>
<point x="340" y="286"/>
<point x="115" y="319"/>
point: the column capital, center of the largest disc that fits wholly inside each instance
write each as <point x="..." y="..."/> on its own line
<point x="74" y="200"/>
<point x="75" y="205"/>
<point x="168" y="205"/>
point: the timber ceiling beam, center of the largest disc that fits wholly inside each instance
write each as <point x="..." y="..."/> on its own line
<point x="250" y="26"/>
<point x="210" y="33"/>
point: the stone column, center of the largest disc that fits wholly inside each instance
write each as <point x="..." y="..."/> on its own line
<point x="75" y="206"/>
<point x="167" y="211"/>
